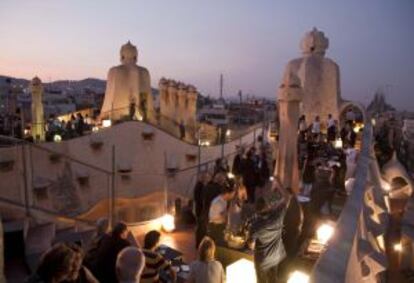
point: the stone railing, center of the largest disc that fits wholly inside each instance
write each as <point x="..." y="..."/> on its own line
<point x="356" y="252"/>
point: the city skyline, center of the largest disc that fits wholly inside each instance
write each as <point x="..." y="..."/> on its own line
<point x="195" y="42"/>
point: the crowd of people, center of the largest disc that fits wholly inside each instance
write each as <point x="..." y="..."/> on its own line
<point x="111" y="257"/>
<point x="241" y="201"/>
<point x="74" y="127"/>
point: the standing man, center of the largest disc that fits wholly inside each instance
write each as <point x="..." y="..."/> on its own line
<point x="204" y="179"/>
<point x="266" y="237"/>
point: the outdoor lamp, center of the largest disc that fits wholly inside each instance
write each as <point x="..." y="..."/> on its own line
<point x="324" y="233"/>
<point x="95" y="129"/>
<point x="386" y="187"/>
<point x="230" y="175"/>
<point x="398" y="247"/>
<point x="298" y="277"/>
<point x="167" y="223"/>
<point x="338" y="143"/>
<point x="106" y="123"/>
<point x="241" y="271"/>
<point x="57" y="138"/>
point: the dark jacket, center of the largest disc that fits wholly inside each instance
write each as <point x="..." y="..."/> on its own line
<point x="104" y="270"/>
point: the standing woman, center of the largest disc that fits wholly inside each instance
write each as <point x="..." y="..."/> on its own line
<point x="206" y="269"/>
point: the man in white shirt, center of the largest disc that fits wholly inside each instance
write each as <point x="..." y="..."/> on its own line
<point x="218" y="214"/>
<point x="316" y="127"/>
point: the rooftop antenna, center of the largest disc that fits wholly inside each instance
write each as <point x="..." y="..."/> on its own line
<point x="221" y="86"/>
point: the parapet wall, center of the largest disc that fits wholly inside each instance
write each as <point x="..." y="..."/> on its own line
<point x="76" y="176"/>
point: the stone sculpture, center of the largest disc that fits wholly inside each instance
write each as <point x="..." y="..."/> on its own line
<point x="289" y="96"/>
<point x="178" y="106"/>
<point x="128" y="86"/>
<point x="319" y="77"/>
<point x="38" y="125"/>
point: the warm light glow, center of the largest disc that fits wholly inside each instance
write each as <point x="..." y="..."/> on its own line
<point x="386" y="187"/>
<point x="241" y="271"/>
<point x="398" y="247"/>
<point x="230" y="175"/>
<point x="204" y="143"/>
<point x="228" y="133"/>
<point x="271" y="178"/>
<point x="167" y="223"/>
<point x="57" y="138"/>
<point x="139" y="117"/>
<point x="106" y="123"/>
<point x="338" y="143"/>
<point x="373" y="121"/>
<point x="324" y="233"/>
<point x="95" y="129"/>
<point x="26" y="132"/>
<point x="298" y="277"/>
<point x="357" y="128"/>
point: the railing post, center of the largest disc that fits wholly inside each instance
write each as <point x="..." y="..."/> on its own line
<point x="199" y="153"/>
<point x="2" y="278"/>
<point x="254" y="137"/>
<point x="222" y="140"/>
<point x="112" y="192"/>
<point x="26" y="191"/>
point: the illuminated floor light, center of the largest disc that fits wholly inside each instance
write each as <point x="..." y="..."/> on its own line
<point x="386" y="187"/>
<point x="241" y="271"/>
<point x="57" y="138"/>
<point x="167" y="223"/>
<point x="298" y="277"/>
<point x="106" y="123"/>
<point x="95" y="129"/>
<point x="230" y="175"/>
<point x="324" y="233"/>
<point x="338" y="143"/>
<point x="398" y="247"/>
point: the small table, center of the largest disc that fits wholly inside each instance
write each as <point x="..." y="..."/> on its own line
<point x="175" y="257"/>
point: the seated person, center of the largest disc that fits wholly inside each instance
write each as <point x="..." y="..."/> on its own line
<point x="129" y="265"/>
<point x="154" y="262"/>
<point x="206" y="268"/>
<point x="106" y="255"/>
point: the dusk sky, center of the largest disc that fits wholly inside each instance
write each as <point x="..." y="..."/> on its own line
<point x="250" y="42"/>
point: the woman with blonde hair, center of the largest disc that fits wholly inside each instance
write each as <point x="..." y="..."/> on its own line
<point x="206" y="269"/>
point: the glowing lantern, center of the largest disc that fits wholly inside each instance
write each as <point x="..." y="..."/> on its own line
<point x="230" y="175"/>
<point x="106" y="123"/>
<point x="95" y="129"/>
<point x="298" y="277"/>
<point x="167" y="223"/>
<point x="324" y="233"/>
<point x="241" y="271"/>
<point x="398" y="247"/>
<point x="57" y="138"/>
<point x="386" y="187"/>
<point x="338" y="143"/>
